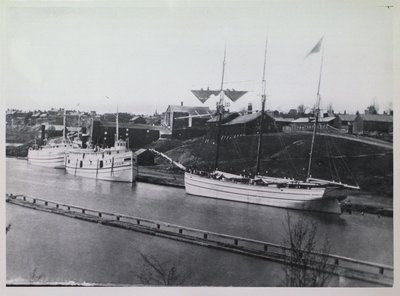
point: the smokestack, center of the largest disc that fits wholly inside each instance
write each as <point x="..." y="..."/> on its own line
<point x="249" y="108"/>
<point x="43" y="132"/>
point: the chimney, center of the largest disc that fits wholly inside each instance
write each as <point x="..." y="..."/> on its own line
<point x="181" y="103"/>
<point x="249" y="108"/>
<point x="43" y="132"/>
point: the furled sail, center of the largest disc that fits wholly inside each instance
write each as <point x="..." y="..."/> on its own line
<point x="204" y="94"/>
<point x="234" y="95"/>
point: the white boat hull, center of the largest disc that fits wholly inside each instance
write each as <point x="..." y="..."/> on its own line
<point x="118" y="174"/>
<point x="120" y="167"/>
<point x="43" y="158"/>
<point x="313" y="199"/>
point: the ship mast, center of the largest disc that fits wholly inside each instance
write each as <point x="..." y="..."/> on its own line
<point x="117" y="128"/>
<point x="316" y="115"/>
<point x="64" y="136"/>
<point x="263" y="99"/>
<point x="220" y="111"/>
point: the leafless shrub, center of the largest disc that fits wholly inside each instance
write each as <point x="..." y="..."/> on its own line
<point x="35" y="276"/>
<point x="303" y="266"/>
<point x="155" y="272"/>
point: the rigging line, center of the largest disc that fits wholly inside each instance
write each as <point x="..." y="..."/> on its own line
<point x="328" y="156"/>
<point x="333" y="162"/>
<point x="237" y="152"/>
<point x="288" y="157"/>
<point x="346" y="166"/>
<point x="293" y="164"/>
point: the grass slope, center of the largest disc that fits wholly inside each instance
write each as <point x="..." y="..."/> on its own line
<point x="286" y="155"/>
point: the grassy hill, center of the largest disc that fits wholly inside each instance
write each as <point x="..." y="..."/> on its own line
<point x="286" y="155"/>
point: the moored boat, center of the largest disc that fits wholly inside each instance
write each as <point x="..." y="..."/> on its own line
<point x="312" y="194"/>
<point x="117" y="163"/>
<point x="52" y="154"/>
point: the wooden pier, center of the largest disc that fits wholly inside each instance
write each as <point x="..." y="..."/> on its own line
<point x="345" y="267"/>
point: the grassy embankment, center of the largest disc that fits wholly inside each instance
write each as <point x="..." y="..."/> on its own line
<point x="286" y="155"/>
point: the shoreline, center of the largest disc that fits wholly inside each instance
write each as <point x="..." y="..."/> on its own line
<point x="356" y="202"/>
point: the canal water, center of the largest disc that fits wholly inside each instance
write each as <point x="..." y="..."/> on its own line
<point x="51" y="248"/>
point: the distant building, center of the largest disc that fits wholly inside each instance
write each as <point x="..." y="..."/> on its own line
<point x="368" y="123"/>
<point x="212" y="124"/>
<point x="248" y="124"/>
<point x="137" y="135"/>
<point x="307" y="123"/>
<point x="283" y="124"/>
<point x="347" y="121"/>
<point x="226" y="117"/>
<point x="17" y="118"/>
<point x="185" y="121"/>
<point x="138" y="119"/>
<point x="179" y="116"/>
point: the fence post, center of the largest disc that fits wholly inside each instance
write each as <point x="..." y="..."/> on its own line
<point x="45" y="203"/>
<point x="158" y="226"/>
<point x="205" y="235"/>
<point x="69" y="208"/>
<point x="24" y="198"/>
<point x="99" y="214"/>
<point x="381" y="270"/>
<point x="180" y="231"/>
<point x="83" y="211"/>
<point x="236" y="242"/>
<point x="138" y="222"/>
<point x="34" y="200"/>
<point x="265" y="248"/>
<point x="336" y="261"/>
<point x="117" y="218"/>
<point x="56" y="206"/>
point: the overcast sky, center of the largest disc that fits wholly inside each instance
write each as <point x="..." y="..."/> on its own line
<point x="145" y="56"/>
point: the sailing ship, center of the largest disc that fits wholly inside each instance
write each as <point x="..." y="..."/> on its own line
<point x="52" y="154"/>
<point x="117" y="163"/>
<point x="311" y="194"/>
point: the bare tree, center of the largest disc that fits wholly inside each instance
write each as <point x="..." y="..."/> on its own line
<point x="155" y="272"/>
<point x="329" y="109"/>
<point x="35" y="276"/>
<point x="301" y="109"/>
<point x="372" y="109"/>
<point x="304" y="267"/>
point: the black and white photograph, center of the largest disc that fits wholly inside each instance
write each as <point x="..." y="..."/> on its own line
<point x="199" y="144"/>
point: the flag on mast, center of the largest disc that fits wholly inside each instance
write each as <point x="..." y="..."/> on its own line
<point x="316" y="48"/>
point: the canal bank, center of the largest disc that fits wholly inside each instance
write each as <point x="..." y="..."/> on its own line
<point x="93" y="254"/>
<point x="356" y="236"/>
<point x="343" y="267"/>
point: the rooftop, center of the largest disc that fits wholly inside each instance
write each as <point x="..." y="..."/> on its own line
<point x="244" y="118"/>
<point x="347" y="117"/>
<point x="196" y="110"/>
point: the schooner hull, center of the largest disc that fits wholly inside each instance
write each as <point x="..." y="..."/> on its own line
<point x="314" y="199"/>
